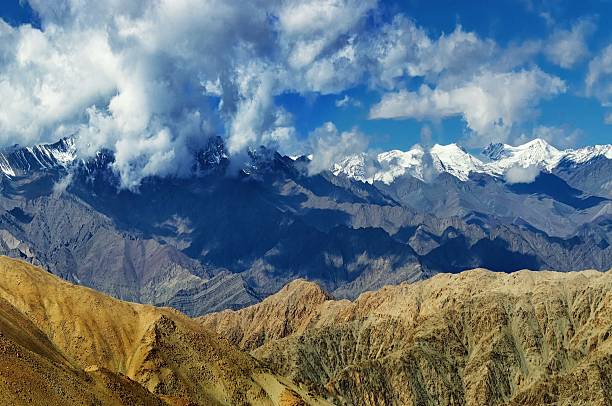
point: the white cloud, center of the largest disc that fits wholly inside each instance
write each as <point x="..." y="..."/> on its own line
<point x="137" y="77"/>
<point x="309" y="27"/>
<point x="599" y="76"/>
<point x="347" y="101"/>
<point x="329" y="146"/>
<point x="490" y="103"/>
<point x="519" y="174"/>
<point x="401" y="48"/>
<point x="51" y="78"/>
<point x="150" y="80"/>
<point x="282" y="136"/>
<point x="567" y="47"/>
<point x="608" y="119"/>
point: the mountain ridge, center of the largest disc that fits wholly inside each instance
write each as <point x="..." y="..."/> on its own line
<point x="387" y="166"/>
<point x="154" y="353"/>
<point x="473" y="338"/>
<point x="196" y="242"/>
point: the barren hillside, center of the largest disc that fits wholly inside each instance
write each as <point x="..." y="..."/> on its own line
<point x="474" y="338"/>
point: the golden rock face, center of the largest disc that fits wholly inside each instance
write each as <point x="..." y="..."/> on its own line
<point x="468" y="339"/>
<point x="62" y="344"/>
<point x="473" y="338"/>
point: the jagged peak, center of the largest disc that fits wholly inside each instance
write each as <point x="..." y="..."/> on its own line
<point x="495" y="151"/>
<point x="303" y="287"/>
<point x="453" y="147"/>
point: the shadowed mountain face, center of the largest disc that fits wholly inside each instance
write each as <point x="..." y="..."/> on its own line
<point x="556" y="188"/>
<point x="475" y="338"/>
<point x="218" y="239"/>
<point x="592" y="176"/>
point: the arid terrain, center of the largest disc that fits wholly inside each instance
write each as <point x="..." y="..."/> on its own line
<point x="62" y="344"/>
<point x="473" y="338"/>
<point x="305" y="203"/>
<point x="476" y="338"/>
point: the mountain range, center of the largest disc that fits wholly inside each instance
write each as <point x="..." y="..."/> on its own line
<point x="478" y="337"/>
<point x="223" y="238"/>
<point x="62" y="344"/>
<point x="474" y="338"/>
<point x="499" y="158"/>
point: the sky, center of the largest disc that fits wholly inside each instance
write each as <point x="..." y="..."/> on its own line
<point x="153" y="80"/>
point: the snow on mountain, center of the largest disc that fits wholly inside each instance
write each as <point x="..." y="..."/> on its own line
<point x="395" y="163"/>
<point x="367" y="167"/>
<point x="539" y="153"/>
<point x="387" y="166"/>
<point x="534" y="153"/>
<point x="585" y="154"/>
<point x="354" y="167"/>
<point x="18" y="160"/>
<point x="455" y="160"/>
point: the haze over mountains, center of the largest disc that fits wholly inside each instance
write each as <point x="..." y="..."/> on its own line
<point x="221" y="238"/>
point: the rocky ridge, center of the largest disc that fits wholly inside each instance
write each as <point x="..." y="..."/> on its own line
<point x="473" y="338"/>
<point x="65" y="344"/>
<point x="196" y="243"/>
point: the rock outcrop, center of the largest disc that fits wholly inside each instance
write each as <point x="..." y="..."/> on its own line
<point x="473" y="338"/>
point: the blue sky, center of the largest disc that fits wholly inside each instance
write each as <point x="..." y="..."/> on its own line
<point x="506" y="22"/>
<point x="152" y="80"/>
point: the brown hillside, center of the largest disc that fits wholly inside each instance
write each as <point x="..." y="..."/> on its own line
<point x="34" y="372"/>
<point x="473" y="338"/>
<point x="73" y="329"/>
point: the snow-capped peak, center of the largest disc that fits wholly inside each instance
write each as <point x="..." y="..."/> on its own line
<point x="18" y="160"/>
<point x="417" y="162"/>
<point x="455" y="160"/>
<point x="585" y="154"/>
<point x="354" y="167"/>
<point x="533" y="153"/>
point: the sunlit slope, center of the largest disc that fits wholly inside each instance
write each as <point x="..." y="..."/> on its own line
<point x="167" y="353"/>
<point x="473" y="338"/>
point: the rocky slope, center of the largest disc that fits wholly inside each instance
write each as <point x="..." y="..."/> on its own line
<point x="64" y="344"/>
<point x="218" y="239"/>
<point x="473" y="338"/>
<point x="33" y="371"/>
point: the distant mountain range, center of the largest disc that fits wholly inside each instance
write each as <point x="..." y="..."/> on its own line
<point x="387" y="166"/>
<point x="216" y="240"/>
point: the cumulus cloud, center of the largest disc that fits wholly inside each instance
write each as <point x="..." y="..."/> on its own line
<point x="567" y="47"/>
<point x="490" y="103"/>
<point x="142" y="78"/>
<point x="519" y="174"/>
<point x="329" y="146"/>
<point x="599" y="76"/>
<point x="401" y="48"/>
<point x="153" y="80"/>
